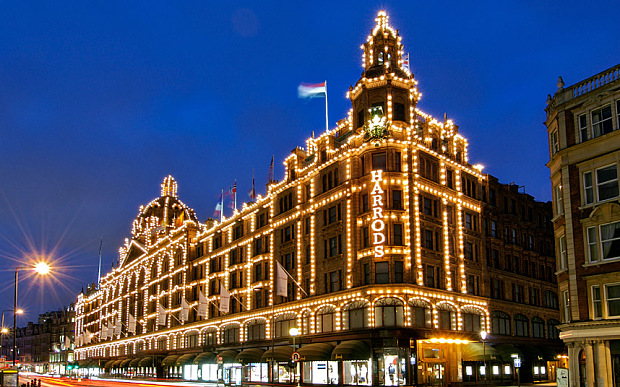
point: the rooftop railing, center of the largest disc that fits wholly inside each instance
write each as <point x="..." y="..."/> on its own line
<point x="599" y="80"/>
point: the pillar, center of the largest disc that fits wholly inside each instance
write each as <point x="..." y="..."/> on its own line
<point x="590" y="378"/>
<point x="601" y="364"/>
<point x="573" y="364"/>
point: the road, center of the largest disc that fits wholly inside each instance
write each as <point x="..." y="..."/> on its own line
<point x="66" y="382"/>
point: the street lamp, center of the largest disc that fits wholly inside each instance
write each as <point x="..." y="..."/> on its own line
<point x="40" y="268"/>
<point x="294" y="332"/>
<point x="483" y="336"/>
<point x="4" y="330"/>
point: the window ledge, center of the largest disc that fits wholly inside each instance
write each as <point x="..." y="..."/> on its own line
<point x="601" y="262"/>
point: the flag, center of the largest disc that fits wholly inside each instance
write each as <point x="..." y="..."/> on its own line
<point x="131" y="324"/>
<point x="406" y="63"/>
<point x="218" y="210"/>
<point x="269" y="179"/>
<point x="118" y="327"/>
<point x="87" y="336"/>
<point x="315" y="90"/>
<point x="252" y="192"/>
<point x="184" y="314"/>
<point x="67" y="342"/>
<point x="103" y="335"/>
<point x="202" y="304"/>
<point x="281" y="281"/>
<point x="224" y="299"/>
<point x="232" y="192"/>
<point x="161" y="315"/>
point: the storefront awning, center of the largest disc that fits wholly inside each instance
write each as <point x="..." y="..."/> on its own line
<point x="351" y="350"/>
<point x="282" y="353"/>
<point x="507" y="350"/>
<point x="170" y="360"/>
<point x="147" y="361"/>
<point x="117" y="363"/>
<point x="315" y="352"/>
<point x="83" y="363"/>
<point x="108" y="364"/>
<point x="125" y="363"/>
<point x="228" y="356"/>
<point x="205" y="358"/>
<point x="250" y="355"/>
<point x="135" y="362"/>
<point x="478" y="352"/>
<point x="188" y="358"/>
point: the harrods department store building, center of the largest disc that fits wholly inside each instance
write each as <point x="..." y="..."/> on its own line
<point x="399" y="254"/>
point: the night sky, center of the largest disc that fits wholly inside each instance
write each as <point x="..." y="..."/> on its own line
<point x="99" y="101"/>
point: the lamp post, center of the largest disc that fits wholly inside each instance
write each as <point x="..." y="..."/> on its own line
<point x="40" y="268"/>
<point x="294" y="332"/>
<point x="4" y="330"/>
<point x="483" y="336"/>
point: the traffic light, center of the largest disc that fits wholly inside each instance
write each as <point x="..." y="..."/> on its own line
<point x="69" y="367"/>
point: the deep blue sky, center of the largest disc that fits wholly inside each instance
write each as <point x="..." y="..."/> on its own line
<point x="99" y="101"/>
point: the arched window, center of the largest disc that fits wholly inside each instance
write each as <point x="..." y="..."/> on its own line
<point x="325" y="319"/>
<point x="389" y="313"/>
<point x="356" y="315"/>
<point x="421" y="314"/>
<point x="230" y="334"/>
<point x="447" y="316"/>
<point x="162" y="343"/>
<point x="130" y="349"/>
<point x="209" y="337"/>
<point x="284" y="322"/>
<point x="191" y="339"/>
<point x="255" y="330"/>
<point x="538" y="327"/>
<point x="552" y="329"/>
<point x="178" y="258"/>
<point x="500" y="323"/>
<point x="472" y="319"/>
<point x="522" y="326"/>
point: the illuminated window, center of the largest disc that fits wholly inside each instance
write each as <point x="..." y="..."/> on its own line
<point x="356" y="315"/>
<point x="421" y="314"/>
<point x="256" y="330"/>
<point x="559" y="206"/>
<point x="389" y="313"/>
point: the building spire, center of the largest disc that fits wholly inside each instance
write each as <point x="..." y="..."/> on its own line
<point x="383" y="52"/>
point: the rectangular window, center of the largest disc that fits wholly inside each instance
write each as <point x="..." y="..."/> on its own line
<point x="583" y="128"/>
<point x="365" y="203"/>
<point x="494" y="229"/>
<point x="601" y="121"/>
<point x="398" y="272"/>
<point x="397" y="237"/>
<point x="566" y="301"/>
<point x="607" y="182"/>
<point x="430" y="277"/>
<point x="428" y="239"/>
<point x="588" y="190"/>
<point x="366" y="273"/>
<point x="382" y="273"/>
<point x="559" y="206"/>
<point x="612" y="296"/>
<point x="397" y="166"/>
<point x="596" y="302"/>
<point x="592" y="244"/>
<point x="562" y="255"/>
<point x="553" y="140"/>
<point x="378" y="161"/>
<point x="397" y="199"/>
<point x="399" y="112"/>
<point x="449" y="179"/>
<point x="610" y="240"/>
<point x="468" y="224"/>
<point x="365" y="237"/>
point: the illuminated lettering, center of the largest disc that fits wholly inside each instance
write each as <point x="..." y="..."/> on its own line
<point x="377" y="225"/>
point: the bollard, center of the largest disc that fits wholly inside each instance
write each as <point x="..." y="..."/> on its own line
<point x="39" y="382"/>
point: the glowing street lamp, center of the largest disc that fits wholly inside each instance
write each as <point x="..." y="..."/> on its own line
<point x="41" y="268"/>
<point x="483" y="336"/>
<point x="294" y="332"/>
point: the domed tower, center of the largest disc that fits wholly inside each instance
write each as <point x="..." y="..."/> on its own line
<point x="386" y="93"/>
<point x="157" y="219"/>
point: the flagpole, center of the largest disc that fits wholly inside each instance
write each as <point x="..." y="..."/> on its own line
<point x="222" y="206"/>
<point x="99" y="273"/>
<point x="326" y="117"/>
<point x="235" y="194"/>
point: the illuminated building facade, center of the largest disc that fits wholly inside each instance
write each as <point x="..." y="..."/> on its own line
<point x="372" y="223"/>
<point x="584" y="148"/>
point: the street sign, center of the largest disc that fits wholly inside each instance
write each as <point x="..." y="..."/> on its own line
<point x="220" y="360"/>
<point x="295" y="356"/>
<point x="517" y="362"/>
